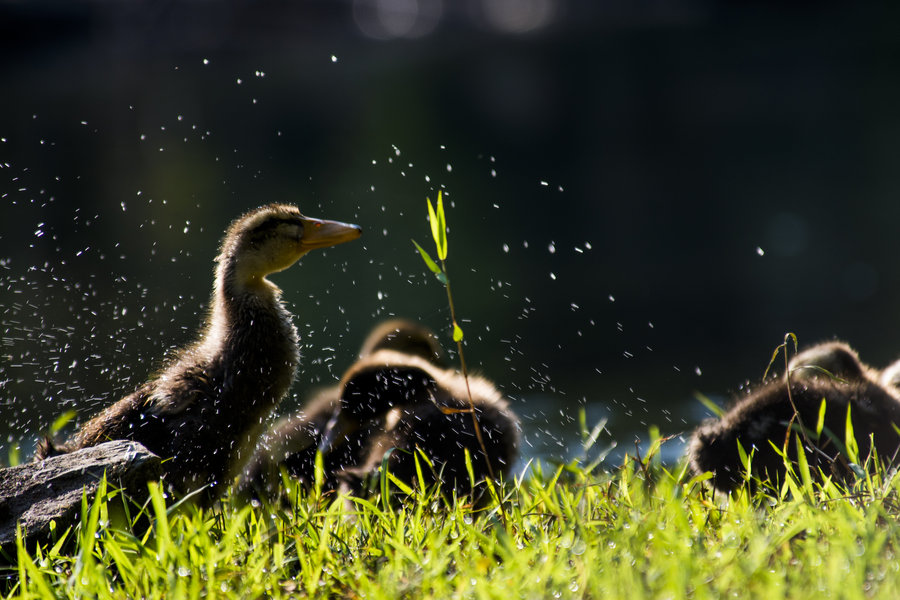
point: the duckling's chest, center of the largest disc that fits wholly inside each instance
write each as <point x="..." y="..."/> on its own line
<point x="262" y="355"/>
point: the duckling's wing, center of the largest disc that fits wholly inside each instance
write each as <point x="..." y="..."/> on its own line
<point x="178" y="389"/>
<point x="159" y="403"/>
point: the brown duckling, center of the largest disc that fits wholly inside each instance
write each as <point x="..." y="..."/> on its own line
<point x="829" y="359"/>
<point x="407" y="337"/>
<point x="765" y="415"/>
<point x="890" y="377"/>
<point x="420" y="409"/>
<point x="293" y="441"/>
<point x="204" y="409"/>
<point x="388" y="401"/>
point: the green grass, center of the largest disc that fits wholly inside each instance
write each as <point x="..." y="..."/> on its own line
<point x="639" y="531"/>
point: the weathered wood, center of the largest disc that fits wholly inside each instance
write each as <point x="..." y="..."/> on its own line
<point x="36" y="493"/>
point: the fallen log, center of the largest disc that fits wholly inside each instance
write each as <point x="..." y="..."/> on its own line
<point x="35" y="494"/>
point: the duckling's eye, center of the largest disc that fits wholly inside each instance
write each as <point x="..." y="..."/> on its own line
<point x="295" y="230"/>
<point x="277" y="228"/>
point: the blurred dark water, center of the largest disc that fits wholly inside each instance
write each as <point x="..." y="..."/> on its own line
<point x="643" y="199"/>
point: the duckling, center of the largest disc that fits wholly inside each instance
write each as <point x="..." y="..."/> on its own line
<point x="765" y="415"/>
<point x="389" y="401"/>
<point x="203" y="410"/>
<point x="829" y="359"/>
<point x="293" y="441"/>
<point x="423" y="408"/>
<point x="890" y="377"/>
<point x="404" y="336"/>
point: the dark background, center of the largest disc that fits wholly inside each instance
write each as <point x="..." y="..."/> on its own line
<point x="644" y="197"/>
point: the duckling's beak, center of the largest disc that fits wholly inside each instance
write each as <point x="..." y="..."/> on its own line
<point x="321" y="233"/>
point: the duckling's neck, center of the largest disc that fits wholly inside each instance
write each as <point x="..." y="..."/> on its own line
<point x="250" y="331"/>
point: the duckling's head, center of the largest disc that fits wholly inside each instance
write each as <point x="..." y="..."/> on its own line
<point x="384" y="380"/>
<point x="890" y="377"/>
<point x="404" y="336"/>
<point x="272" y="238"/>
<point x="829" y="359"/>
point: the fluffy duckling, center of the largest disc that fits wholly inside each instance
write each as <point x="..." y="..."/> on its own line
<point x="203" y="410"/>
<point x="890" y="377"/>
<point x="829" y="372"/>
<point x="420" y="408"/>
<point x="407" y="337"/>
<point x="829" y="359"/>
<point x="388" y="402"/>
<point x="293" y="441"/>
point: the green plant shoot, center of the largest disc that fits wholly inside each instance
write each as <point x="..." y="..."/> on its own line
<point x="438" y="221"/>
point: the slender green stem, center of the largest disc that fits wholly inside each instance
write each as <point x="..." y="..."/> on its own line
<point x="465" y="372"/>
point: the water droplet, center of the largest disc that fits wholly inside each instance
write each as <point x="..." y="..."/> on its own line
<point x="760" y="251"/>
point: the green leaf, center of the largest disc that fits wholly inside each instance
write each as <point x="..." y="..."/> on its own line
<point x="471" y="471"/>
<point x="746" y="460"/>
<point x="803" y="466"/>
<point x="457" y="333"/>
<point x="399" y="483"/>
<point x="821" y="422"/>
<point x="709" y="404"/>
<point x="433" y="221"/>
<point x="850" y="439"/>
<point x="441" y="240"/>
<point x="442" y="277"/>
<point x="61" y="421"/>
<point x="428" y="262"/>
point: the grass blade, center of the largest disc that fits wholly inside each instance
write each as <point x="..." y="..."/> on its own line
<point x="428" y="262"/>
